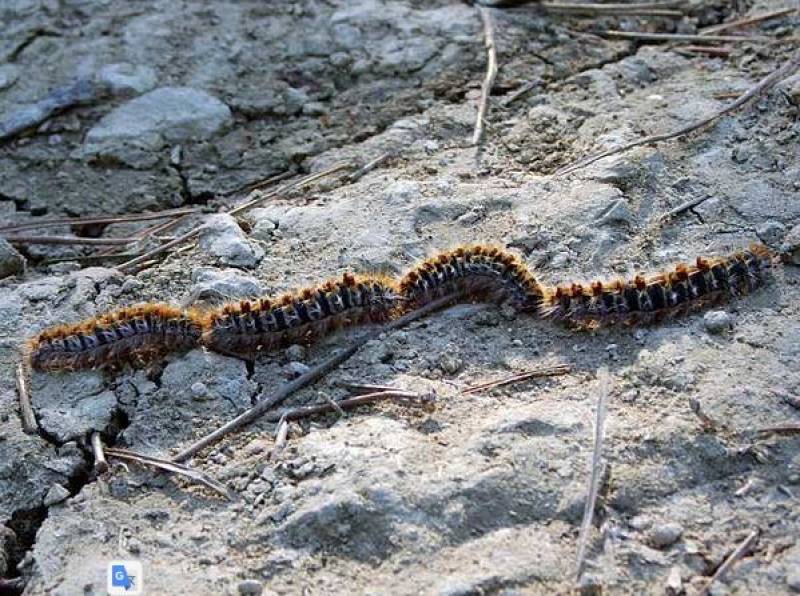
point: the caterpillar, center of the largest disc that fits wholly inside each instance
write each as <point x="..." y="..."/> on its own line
<point x="481" y="272"/>
<point x="266" y="324"/>
<point x="140" y="331"/>
<point x="646" y="299"/>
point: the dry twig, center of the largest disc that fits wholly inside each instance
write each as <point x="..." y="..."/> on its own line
<point x="721" y="52"/>
<point x="350" y="403"/>
<point x="654" y="9"/>
<point x="100" y="463"/>
<point x="747" y="21"/>
<point x="763" y="85"/>
<point x="109" y="219"/>
<point x="642" y="36"/>
<point x="737" y="554"/>
<point x="546" y="371"/>
<point x="26" y="411"/>
<point x="168" y="466"/>
<point x="597" y="465"/>
<point x="368" y="167"/>
<point x="310" y="376"/>
<point x="256" y="198"/>
<point x="783" y="429"/>
<point x="491" y="73"/>
<point x="683" y="207"/>
<point x="280" y="438"/>
<point x="25" y="239"/>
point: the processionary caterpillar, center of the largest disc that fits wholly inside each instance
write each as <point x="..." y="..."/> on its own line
<point x="266" y="324"/>
<point x="141" y="331"/>
<point x="646" y="299"/>
<point x="481" y="273"/>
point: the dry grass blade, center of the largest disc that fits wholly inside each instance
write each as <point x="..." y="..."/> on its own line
<point x="604" y="382"/>
<point x="168" y="466"/>
<point x="26" y="411"/>
<point x="310" y="376"/>
<point x="737" y="554"/>
<point x="766" y="83"/>
<point x="547" y="371"/>
<point x="491" y="73"/>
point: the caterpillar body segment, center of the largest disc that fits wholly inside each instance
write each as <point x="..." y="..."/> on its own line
<point x="267" y="324"/>
<point x="482" y="273"/>
<point x="136" y="332"/>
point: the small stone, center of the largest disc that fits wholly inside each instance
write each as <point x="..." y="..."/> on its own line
<point x="295" y="369"/>
<point x="221" y="237"/>
<point x="56" y="494"/>
<point x="250" y="587"/>
<point x="132" y="285"/>
<point x="295" y="352"/>
<point x="128" y="79"/>
<point x="771" y="233"/>
<point x="791" y="245"/>
<point x="199" y="390"/>
<point x="11" y="262"/>
<point x="8" y="75"/>
<point x="674" y="584"/>
<point x="559" y="260"/>
<point x="717" y="321"/>
<point x="450" y="363"/>
<point x="663" y="535"/>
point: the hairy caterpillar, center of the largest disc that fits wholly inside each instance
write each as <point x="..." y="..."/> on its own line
<point x="481" y="272"/>
<point x="266" y="324"/>
<point x="645" y="299"/>
<point x="487" y="273"/>
<point x="136" y="332"/>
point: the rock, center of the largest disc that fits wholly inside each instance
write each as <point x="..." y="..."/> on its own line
<point x="296" y="352"/>
<point x="8" y="543"/>
<point x="717" y="321"/>
<point x="674" y="585"/>
<point x="295" y="369"/>
<point x="791" y="561"/>
<point x="221" y="237"/>
<point x="56" y="494"/>
<point x="250" y="587"/>
<point x="11" y="262"/>
<point x="71" y="406"/>
<point x="616" y="212"/>
<point x="166" y="115"/>
<point x="225" y="379"/>
<point x="663" y="535"/>
<point x="771" y="233"/>
<point x="790" y="87"/>
<point x="8" y="75"/>
<point x="223" y="284"/>
<point x="450" y="364"/>
<point x="127" y="79"/>
<point x="791" y="245"/>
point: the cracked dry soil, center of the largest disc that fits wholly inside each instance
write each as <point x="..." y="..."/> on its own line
<point x="181" y="104"/>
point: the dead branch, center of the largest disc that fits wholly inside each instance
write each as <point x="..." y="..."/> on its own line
<point x="307" y="378"/>
<point x="737" y="554"/>
<point x="168" y="466"/>
<point x="26" y="411"/>
<point x="491" y="73"/>
<point x="747" y="21"/>
<point x="547" y="371"/>
<point x="766" y="83"/>
<point x="597" y="465"/>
